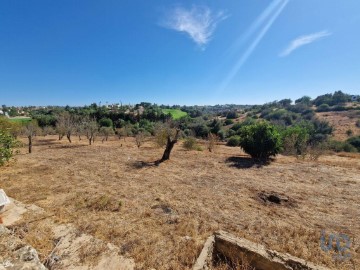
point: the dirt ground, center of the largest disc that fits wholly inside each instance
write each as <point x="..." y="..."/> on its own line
<point x="161" y="215"/>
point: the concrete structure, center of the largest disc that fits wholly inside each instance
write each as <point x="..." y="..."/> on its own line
<point x="236" y="249"/>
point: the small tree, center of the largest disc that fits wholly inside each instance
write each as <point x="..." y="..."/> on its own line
<point x="161" y="134"/>
<point x="65" y="125"/>
<point x="212" y="142"/>
<point x="91" y="128"/>
<point x="106" y="132"/>
<point x="295" y="141"/>
<point x="140" y="138"/>
<point x="30" y="130"/>
<point x="172" y="138"/>
<point x="260" y="140"/>
<point x="7" y="145"/>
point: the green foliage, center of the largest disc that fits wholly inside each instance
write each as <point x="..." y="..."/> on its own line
<point x="295" y="140"/>
<point x="260" y="140"/>
<point x="175" y="113"/>
<point x="228" y="122"/>
<point x="354" y="141"/>
<point x="20" y="120"/>
<point x="323" y="108"/>
<point x="232" y="115"/>
<point x="215" y="126"/>
<point x="201" y="129"/>
<point x="248" y="121"/>
<point x="338" y="146"/>
<point x="7" y="145"/>
<point x="221" y="134"/>
<point x="191" y="144"/>
<point x="233" y="141"/>
<point x="337" y="98"/>
<point x="106" y="122"/>
<point x="304" y="100"/>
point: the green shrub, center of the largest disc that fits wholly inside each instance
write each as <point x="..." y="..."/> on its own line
<point x="354" y="141"/>
<point x="228" y="122"/>
<point x="190" y="144"/>
<point x="323" y="108"/>
<point x="260" y="140"/>
<point x="106" y="122"/>
<point x="221" y="134"/>
<point x="232" y="115"/>
<point x="295" y="140"/>
<point x="233" y="141"/>
<point x="338" y="146"/>
<point x="7" y="145"/>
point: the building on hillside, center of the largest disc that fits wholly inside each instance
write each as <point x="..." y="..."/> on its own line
<point x="354" y="98"/>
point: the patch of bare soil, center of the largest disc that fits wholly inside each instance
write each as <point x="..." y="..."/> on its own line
<point x="161" y="215"/>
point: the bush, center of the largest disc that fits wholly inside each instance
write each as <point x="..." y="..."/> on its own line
<point x="106" y="122"/>
<point x="338" y="146"/>
<point x="295" y="140"/>
<point x="7" y="145"/>
<point x="323" y="108"/>
<point x="232" y="115"/>
<point x="221" y="134"/>
<point x="233" y="141"/>
<point x="228" y="122"/>
<point x="354" y="141"/>
<point x="191" y="144"/>
<point x="260" y="140"/>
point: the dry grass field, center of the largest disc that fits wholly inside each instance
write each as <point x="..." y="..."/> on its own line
<point x="161" y="215"/>
<point x="342" y="121"/>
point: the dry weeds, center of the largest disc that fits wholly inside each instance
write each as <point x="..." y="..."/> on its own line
<point x="201" y="191"/>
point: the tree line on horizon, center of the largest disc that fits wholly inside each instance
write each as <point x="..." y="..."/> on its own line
<point x="293" y="128"/>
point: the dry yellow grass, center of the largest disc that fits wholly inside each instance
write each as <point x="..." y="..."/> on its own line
<point x="161" y="215"/>
<point x="341" y="121"/>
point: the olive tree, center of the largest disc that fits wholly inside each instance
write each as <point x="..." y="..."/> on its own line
<point x="172" y="134"/>
<point x="106" y="132"/>
<point x="30" y="130"/>
<point x="91" y="129"/>
<point x="65" y="125"/>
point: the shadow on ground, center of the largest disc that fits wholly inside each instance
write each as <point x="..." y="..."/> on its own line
<point x="245" y="162"/>
<point x="142" y="164"/>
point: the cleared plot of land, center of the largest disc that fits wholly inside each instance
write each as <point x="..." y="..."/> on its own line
<point x="161" y="215"/>
<point x="175" y="113"/>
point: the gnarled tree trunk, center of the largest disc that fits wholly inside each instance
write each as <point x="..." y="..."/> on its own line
<point x="30" y="143"/>
<point x="169" y="146"/>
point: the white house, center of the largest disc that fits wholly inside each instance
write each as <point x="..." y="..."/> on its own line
<point x="1" y="112"/>
<point x="353" y="98"/>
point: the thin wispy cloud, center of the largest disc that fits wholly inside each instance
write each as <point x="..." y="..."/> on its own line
<point x="262" y="25"/>
<point x="199" y="22"/>
<point x="304" y="40"/>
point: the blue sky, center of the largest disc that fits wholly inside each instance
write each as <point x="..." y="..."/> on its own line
<point x="176" y="52"/>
